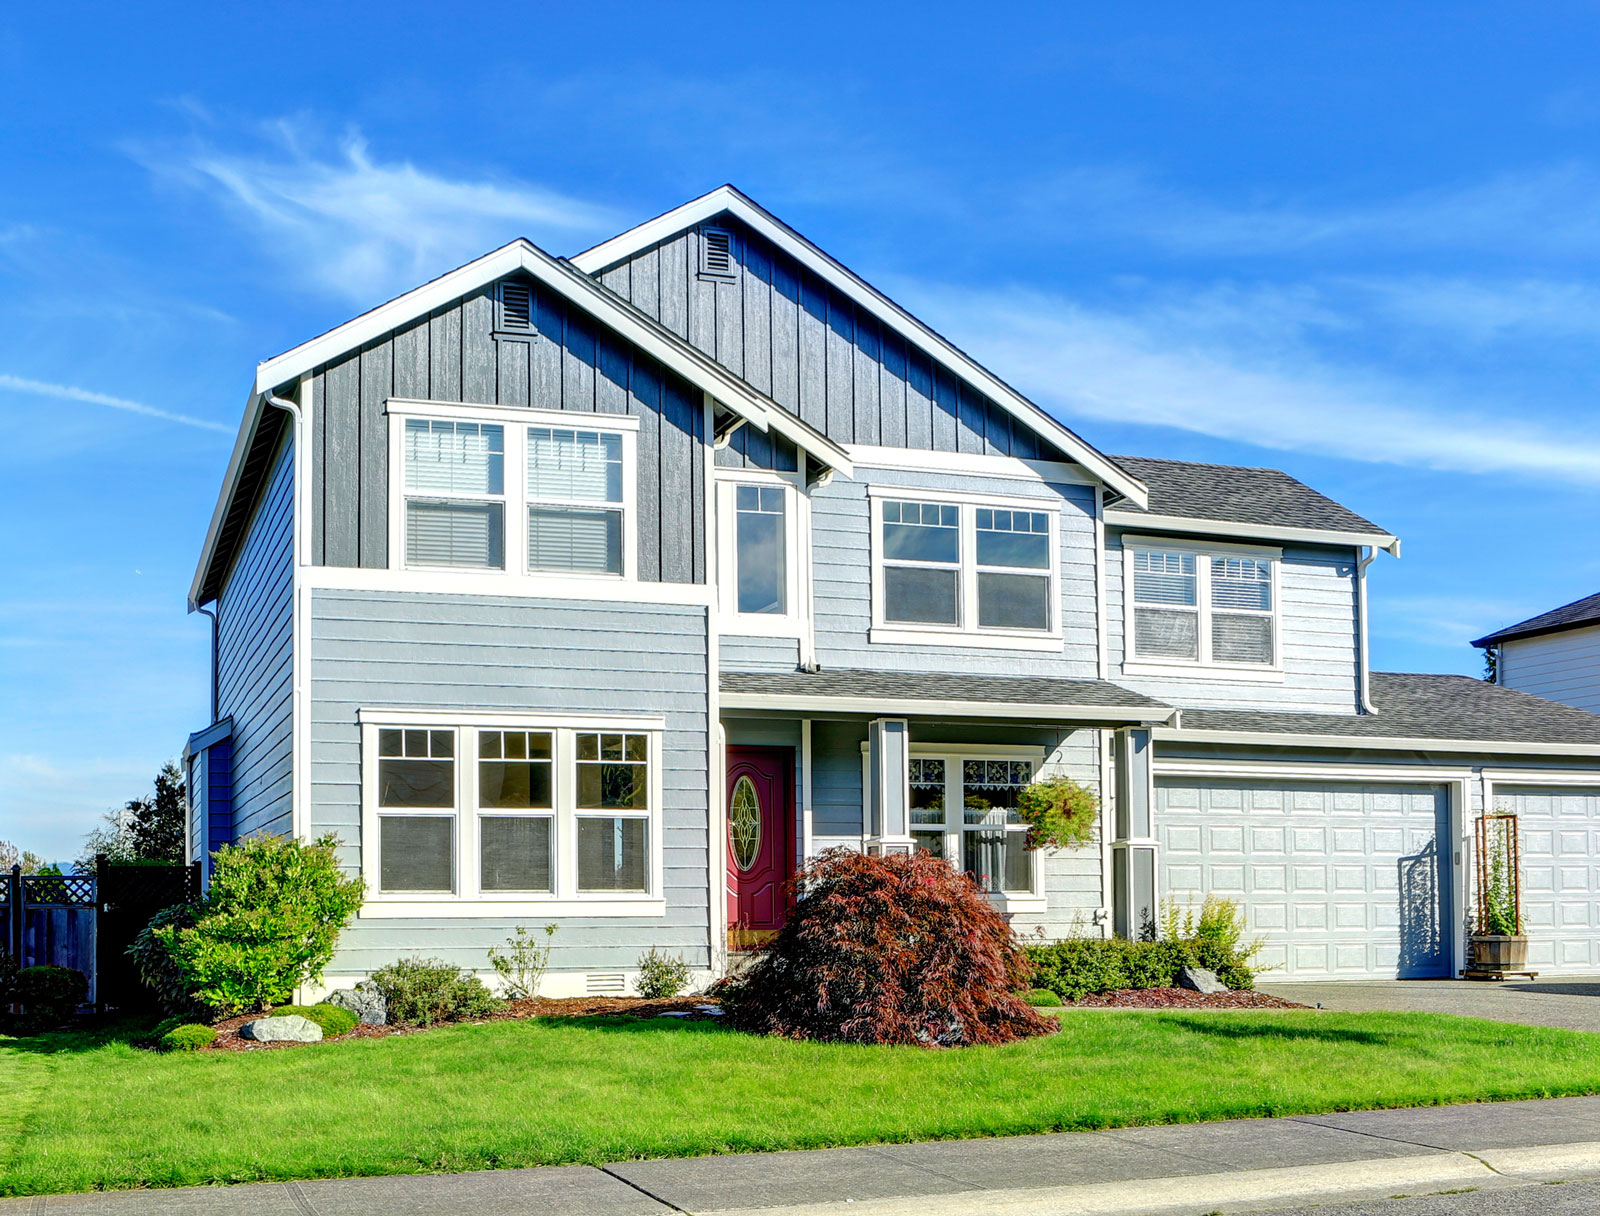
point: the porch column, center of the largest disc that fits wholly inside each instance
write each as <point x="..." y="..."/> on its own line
<point x="888" y="796"/>
<point x="1133" y="852"/>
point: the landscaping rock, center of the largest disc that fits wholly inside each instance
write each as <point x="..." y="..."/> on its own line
<point x="1198" y="979"/>
<point x="364" y="1000"/>
<point x="289" y="1029"/>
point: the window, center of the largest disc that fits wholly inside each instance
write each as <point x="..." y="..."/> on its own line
<point x="570" y="473"/>
<point x="762" y="530"/>
<point x="963" y="808"/>
<point x="927" y="804"/>
<point x="759" y="549"/>
<point x="417" y="781"/>
<point x="1209" y="609"/>
<point x="455" y="494"/>
<point x="516" y="822"/>
<point x="971" y="572"/>
<point x="613" y="776"/>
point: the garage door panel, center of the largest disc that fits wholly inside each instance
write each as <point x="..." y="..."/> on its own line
<point x="1559" y="828"/>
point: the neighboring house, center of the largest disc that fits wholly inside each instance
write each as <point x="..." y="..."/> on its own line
<point x="602" y="592"/>
<point x="1555" y="654"/>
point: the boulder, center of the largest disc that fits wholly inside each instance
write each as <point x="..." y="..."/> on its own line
<point x="291" y="1028"/>
<point x="364" y="1000"/>
<point x="1199" y="979"/>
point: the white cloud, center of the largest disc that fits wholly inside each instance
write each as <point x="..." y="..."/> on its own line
<point x="362" y="228"/>
<point x="68" y="392"/>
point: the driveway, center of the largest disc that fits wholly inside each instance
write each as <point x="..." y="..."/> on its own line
<point x="1571" y="1001"/>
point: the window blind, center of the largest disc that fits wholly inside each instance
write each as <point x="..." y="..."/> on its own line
<point x="574" y="466"/>
<point x="566" y="538"/>
<point x="1164" y="578"/>
<point x="454" y="457"/>
<point x="455" y="534"/>
<point x="1241" y="582"/>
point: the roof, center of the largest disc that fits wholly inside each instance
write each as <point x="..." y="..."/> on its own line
<point x="1420" y="710"/>
<point x="1261" y="502"/>
<point x="1569" y="616"/>
<point x="729" y="200"/>
<point x="853" y="690"/>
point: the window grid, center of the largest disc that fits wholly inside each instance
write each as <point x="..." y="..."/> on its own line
<point x="1202" y="609"/>
<point x="455" y="498"/>
<point x="574" y="500"/>
<point x="963" y="809"/>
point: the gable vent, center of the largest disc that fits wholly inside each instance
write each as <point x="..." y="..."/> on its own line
<point x="516" y="306"/>
<point x="716" y="252"/>
<point x="605" y="983"/>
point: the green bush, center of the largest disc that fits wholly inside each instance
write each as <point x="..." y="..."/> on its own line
<point x="191" y="1036"/>
<point x="425" y="991"/>
<point x="267" y="925"/>
<point x="334" y="1020"/>
<point x="159" y="968"/>
<point x="661" y="975"/>
<point x="521" y="965"/>
<point x="1043" y="998"/>
<point x="48" y="996"/>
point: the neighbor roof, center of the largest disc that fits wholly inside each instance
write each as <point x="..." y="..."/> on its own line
<point x="1188" y="496"/>
<point x="1422" y="711"/>
<point x="1569" y="616"/>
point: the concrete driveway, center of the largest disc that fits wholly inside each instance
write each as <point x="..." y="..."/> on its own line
<point x="1571" y="1001"/>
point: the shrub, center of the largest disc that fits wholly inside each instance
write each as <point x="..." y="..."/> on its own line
<point x="191" y="1036"/>
<point x="48" y="995"/>
<point x="522" y="965"/>
<point x="661" y="975"/>
<point x="422" y="992"/>
<point x="902" y="949"/>
<point x="268" y="924"/>
<point x="1043" y="998"/>
<point x="1059" y="813"/>
<point x="159" y="967"/>
<point x="333" y="1020"/>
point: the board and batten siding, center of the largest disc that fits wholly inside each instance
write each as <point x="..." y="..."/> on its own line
<point x="255" y="658"/>
<point x="1562" y="666"/>
<point x="456" y="354"/>
<point x="473" y="652"/>
<point x="1317" y="624"/>
<point x="814" y="350"/>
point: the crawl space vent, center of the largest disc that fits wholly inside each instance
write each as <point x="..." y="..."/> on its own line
<point x="605" y="983"/>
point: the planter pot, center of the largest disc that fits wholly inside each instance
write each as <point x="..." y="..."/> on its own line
<point x="1494" y="952"/>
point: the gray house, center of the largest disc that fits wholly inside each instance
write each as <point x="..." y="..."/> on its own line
<point x="1555" y="654"/>
<point x="603" y="591"/>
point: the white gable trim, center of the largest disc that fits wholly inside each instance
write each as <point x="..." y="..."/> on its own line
<point x="1223" y="527"/>
<point x="727" y="199"/>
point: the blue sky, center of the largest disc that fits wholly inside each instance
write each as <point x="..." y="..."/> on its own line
<point x="1357" y="242"/>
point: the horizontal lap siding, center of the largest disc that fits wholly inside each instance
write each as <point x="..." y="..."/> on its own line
<point x="1562" y="666"/>
<point x="255" y="663"/>
<point x="454" y="355"/>
<point x="1317" y="620"/>
<point x="736" y="653"/>
<point x="465" y="652"/>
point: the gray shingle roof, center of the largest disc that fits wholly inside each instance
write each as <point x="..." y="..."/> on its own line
<point x="932" y="686"/>
<point x="1423" y="707"/>
<point x="1569" y="616"/>
<point x="1237" y="495"/>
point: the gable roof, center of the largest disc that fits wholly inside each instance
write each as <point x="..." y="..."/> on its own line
<point x="727" y="199"/>
<point x="1569" y="616"/>
<point x="1186" y="496"/>
<point x="758" y="409"/>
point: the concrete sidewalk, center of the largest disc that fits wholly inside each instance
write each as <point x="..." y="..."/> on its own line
<point x="1256" y="1163"/>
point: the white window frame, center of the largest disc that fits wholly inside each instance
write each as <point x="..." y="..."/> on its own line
<point x="966" y="631"/>
<point x="517" y="421"/>
<point x="1203" y="552"/>
<point x="953" y="754"/>
<point x="468" y="897"/>
<point x="797" y="555"/>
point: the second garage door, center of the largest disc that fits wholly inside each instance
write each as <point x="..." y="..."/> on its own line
<point x="1342" y="881"/>
<point x="1560" y="829"/>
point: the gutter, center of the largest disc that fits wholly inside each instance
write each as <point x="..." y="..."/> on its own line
<point x="1364" y="671"/>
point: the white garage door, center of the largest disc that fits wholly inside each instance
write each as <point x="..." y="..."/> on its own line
<point x="1560" y="830"/>
<point x="1343" y="881"/>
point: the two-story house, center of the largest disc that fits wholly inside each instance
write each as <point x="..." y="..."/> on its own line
<point x="1555" y="654"/>
<point x="604" y="591"/>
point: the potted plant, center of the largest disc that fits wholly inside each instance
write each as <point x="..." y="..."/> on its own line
<point x="1059" y="812"/>
<point x="1498" y="947"/>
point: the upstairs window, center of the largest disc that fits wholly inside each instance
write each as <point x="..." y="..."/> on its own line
<point x="762" y="522"/>
<point x="455" y="494"/>
<point x="921" y="563"/>
<point x="575" y="513"/>
<point x="760" y="553"/>
<point x="1207" y="609"/>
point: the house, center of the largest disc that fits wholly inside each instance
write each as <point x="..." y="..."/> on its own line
<point x="600" y="592"/>
<point x="1555" y="654"/>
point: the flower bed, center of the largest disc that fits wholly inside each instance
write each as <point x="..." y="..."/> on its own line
<point x="1180" y="998"/>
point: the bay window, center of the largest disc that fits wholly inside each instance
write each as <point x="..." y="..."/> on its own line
<point x="1201" y="607"/>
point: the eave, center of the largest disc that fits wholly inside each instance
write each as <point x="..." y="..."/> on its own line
<point x="1193" y="525"/>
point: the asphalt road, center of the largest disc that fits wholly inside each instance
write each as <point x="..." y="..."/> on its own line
<point x="1550" y="1199"/>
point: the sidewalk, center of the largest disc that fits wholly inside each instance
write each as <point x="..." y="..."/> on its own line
<point x="1181" y="1169"/>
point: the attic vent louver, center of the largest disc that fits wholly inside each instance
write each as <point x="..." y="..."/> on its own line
<point x="716" y="253"/>
<point x="516" y="306"/>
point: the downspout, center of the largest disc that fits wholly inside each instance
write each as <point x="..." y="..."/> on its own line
<point x="299" y="800"/>
<point x="215" y="693"/>
<point x="1364" y="674"/>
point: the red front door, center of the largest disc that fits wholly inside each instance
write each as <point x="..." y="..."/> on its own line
<point x="760" y="839"/>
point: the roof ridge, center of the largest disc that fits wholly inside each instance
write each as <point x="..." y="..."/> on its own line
<point x="1208" y="464"/>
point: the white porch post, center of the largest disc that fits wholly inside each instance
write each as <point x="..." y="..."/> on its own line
<point x="1133" y="852"/>
<point x="886" y="808"/>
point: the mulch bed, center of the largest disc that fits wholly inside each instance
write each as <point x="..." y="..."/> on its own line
<point x="1180" y="998"/>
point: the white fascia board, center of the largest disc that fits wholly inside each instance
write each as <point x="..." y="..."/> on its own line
<point x="247" y="428"/>
<point x="1223" y="527"/>
<point x="1505" y="747"/>
<point x="905" y="706"/>
<point x="726" y="198"/>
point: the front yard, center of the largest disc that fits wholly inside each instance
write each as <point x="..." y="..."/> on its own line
<point x="81" y="1112"/>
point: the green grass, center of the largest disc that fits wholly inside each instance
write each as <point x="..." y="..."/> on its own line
<point x="82" y="1112"/>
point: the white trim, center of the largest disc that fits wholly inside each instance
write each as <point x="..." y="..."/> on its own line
<point x="807" y="810"/>
<point x="938" y="635"/>
<point x="1102" y="620"/>
<point x="825" y="707"/>
<point x="643" y="907"/>
<point x="971" y="463"/>
<point x="1202" y="665"/>
<point x="726" y="198"/>
<point x="1370" y="743"/>
<point x="498" y="582"/>
<point x="1281" y="532"/>
<point x="884" y="490"/>
<point x="1234" y="673"/>
<point x="409" y="407"/>
<point x="716" y="733"/>
<point x="1534" y="776"/>
<point x="510" y="719"/>
<point x="300" y="626"/>
<point x="1138" y="540"/>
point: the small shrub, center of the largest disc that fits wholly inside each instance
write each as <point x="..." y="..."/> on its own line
<point x="1059" y="813"/>
<point x="333" y="1020"/>
<point x="661" y="975"/>
<point x="190" y="1036"/>
<point x="48" y="996"/>
<point x="1043" y="998"/>
<point x="160" y="968"/>
<point x="426" y="991"/>
<point x="902" y="949"/>
<point x="522" y="964"/>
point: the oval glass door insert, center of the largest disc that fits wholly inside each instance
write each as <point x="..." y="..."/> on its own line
<point x="744" y="823"/>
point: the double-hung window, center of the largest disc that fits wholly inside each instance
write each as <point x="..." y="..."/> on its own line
<point x="575" y="514"/>
<point x="964" y="809"/>
<point x="455" y="494"/>
<point x="1190" y="606"/>
<point x="613" y="810"/>
<point x="416" y="819"/>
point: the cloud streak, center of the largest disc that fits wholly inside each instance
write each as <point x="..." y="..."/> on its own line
<point x="68" y="392"/>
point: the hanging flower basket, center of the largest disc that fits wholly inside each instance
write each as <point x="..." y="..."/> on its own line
<point x="1059" y="812"/>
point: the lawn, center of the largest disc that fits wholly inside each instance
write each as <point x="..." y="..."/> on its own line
<point x="81" y="1112"/>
